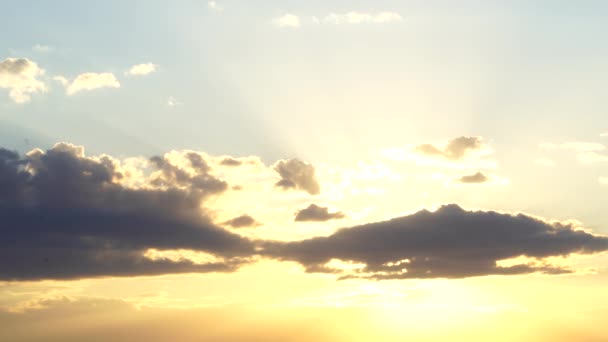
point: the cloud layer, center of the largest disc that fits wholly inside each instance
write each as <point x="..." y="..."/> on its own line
<point x="64" y="215"/>
<point x="448" y="243"/>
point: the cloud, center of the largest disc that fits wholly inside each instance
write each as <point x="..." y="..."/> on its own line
<point x="61" y="80"/>
<point x="21" y="77"/>
<point x="447" y="243"/>
<point x="455" y="149"/>
<point x="577" y="146"/>
<point x="591" y="157"/>
<point x="242" y="221"/>
<point x="359" y="18"/>
<point x="297" y="174"/>
<point x="603" y="180"/>
<point x="316" y="213"/>
<point x="604" y="134"/>
<point x="64" y="215"/>
<point x="230" y="162"/>
<point x="586" y="152"/>
<point x="42" y="48"/>
<point x="287" y="20"/>
<point x="173" y="102"/>
<point x="142" y="69"/>
<point x="92" y="80"/>
<point x="214" y="6"/>
<point x="474" y="178"/>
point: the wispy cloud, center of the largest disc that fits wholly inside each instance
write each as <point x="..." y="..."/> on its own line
<point x="142" y="69"/>
<point x="173" y="102"/>
<point x="92" y="80"/>
<point x="42" y="48"/>
<point x="287" y="20"/>
<point x="361" y="17"/>
<point x="214" y="6"/>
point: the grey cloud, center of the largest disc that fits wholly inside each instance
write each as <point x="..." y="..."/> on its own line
<point x="474" y="178"/>
<point x="242" y="221"/>
<point x="297" y="174"/>
<point x="63" y="215"/>
<point x="230" y="162"/>
<point x="455" y="149"/>
<point x="316" y="213"/>
<point x="201" y="180"/>
<point x="448" y="243"/>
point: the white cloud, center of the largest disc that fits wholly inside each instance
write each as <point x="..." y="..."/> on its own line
<point x="142" y="69"/>
<point x="173" y="102"/>
<point x="287" y="20"/>
<point x="544" y="162"/>
<point x="62" y="80"/>
<point x="603" y="180"/>
<point x="214" y="6"/>
<point x="20" y="77"/>
<point x="42" y="48"/>
<point x="358" y="18"/>
<point x="92" y="80"/>
<point x="591" y="157"/>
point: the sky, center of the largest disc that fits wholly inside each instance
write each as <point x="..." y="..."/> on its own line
<point x="297" y="171"/>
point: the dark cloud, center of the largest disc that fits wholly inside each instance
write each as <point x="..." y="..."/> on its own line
<point x="230" y="162"/>
<point x="316" y="213"/>
<point x="172" y="175"/>
<point x="63" y="215"/>
<point x="448" y="243"/>
<point x="242" y="221"/>
<point x="455" y="149"/>
<point x="297" y="174"/>
<point x="474" y="178"/>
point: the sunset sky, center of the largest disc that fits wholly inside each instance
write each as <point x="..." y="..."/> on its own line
<point x="303" y="171"/>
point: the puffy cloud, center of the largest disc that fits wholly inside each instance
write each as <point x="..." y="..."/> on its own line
<point x="142" y="69"/>
<point x="316" y="213"/>
<point x="92" y="80"/>
<point x="21" y="77"/>
<point x="66" y="215"/>
<point x="448" y="243"/>
<point x="173" y="176"/>
<point x="287" y="20"/>
<point x="297" y="174"/>
<point x="242" y="221"/>
<point x="476" y="178"/>
<point x="358" y="18"/>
